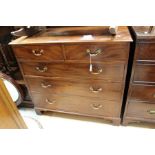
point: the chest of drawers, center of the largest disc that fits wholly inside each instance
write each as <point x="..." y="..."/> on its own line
<point x="140" y="105"/>
<point x="76" y="74"/>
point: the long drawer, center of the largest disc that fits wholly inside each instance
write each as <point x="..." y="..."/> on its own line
<point x="75" y="70"/>
<point x="38" y="52"/>
<point x="77" y="105"/>
<point x="88" y="88"/>
<point x="142" y="92"/>
<point x="100" y="52"/>
<point x="144" y="73"/>
<point x="141" y="110"/>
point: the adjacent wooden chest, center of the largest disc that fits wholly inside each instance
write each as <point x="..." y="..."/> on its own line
<point x="140" y="105"/>
<point x="78" y="74"/>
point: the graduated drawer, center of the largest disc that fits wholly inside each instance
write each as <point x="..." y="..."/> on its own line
<point x="88" y="88"/>
<point x="38" y="52"/>
<point x="146" y="51"/>
<point x="76" y="104"/>
<point x="100" y="52"/>
<point x="141" y="110"/>
<point x="73" y="70"/>
<point x="144" y="73"/>
<point x="142" y="92"/>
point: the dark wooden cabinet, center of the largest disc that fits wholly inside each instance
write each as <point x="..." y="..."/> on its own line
<point x="140" y="105"/>
<point x="2" y="67"/>
<point x="81" y="74"/>
<point x="8" y="63"/>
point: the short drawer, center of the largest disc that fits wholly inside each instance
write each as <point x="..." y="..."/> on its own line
<point x="141" y="110"/>
<point x="142" y="92"/>
<point x="100" y="52"/>
<point x="146" y="51"/>
<point x="88" y="88"/>
<point x="77" y="105"/>
<point x="73" y="70"/>
<point x="144" y="73"/>
<point x="38" y="52"/>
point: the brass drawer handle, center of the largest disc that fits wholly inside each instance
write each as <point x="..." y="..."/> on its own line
<point x="41" y="69"/>
<point x="43" y="85"/>
<point x="38" y="52"/>
<point x="151" y="111"/>
<point x="95" y="90"/>
<point x="98" y="72"/>
<point x="50" y="102"/>
<point x="96" y="107"/>
<point x="153" y="95"/>
<point x="94" y="53"/>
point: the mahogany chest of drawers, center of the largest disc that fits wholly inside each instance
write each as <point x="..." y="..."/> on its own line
<point x="76" y="74"/>
<point x="140" y="105"/>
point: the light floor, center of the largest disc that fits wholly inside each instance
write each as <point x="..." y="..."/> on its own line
<point x="51" y="120"/>
<point x="76" y="135"/>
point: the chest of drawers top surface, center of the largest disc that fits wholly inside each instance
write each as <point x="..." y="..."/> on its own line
<point x="80" y="35"/>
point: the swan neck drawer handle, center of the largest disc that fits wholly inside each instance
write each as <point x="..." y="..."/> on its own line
<point x="43" y="85"/>
<point x="93" y="53"/>
<point x="38" y="52"/>
<point x="50" y="102"/>
<point x="97" y="72"/>
<point x="96" y="107"/>
<point x="41" y="69"/>
<point x="151" y="112"/>
<point x="95" y="90"/>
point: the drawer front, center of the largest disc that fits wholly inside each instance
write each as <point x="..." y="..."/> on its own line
<point x="99" y="52"/>
<point x="88" y="88"/>
<point x="141" y="110"/>
<point x="39" y="52"/>
<point x="79" y="70"/>
<point x="143" y="93"/>
<point x="144" y="73"/>
<point x="76" y="104"/>
<point x="146" y="51"/>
